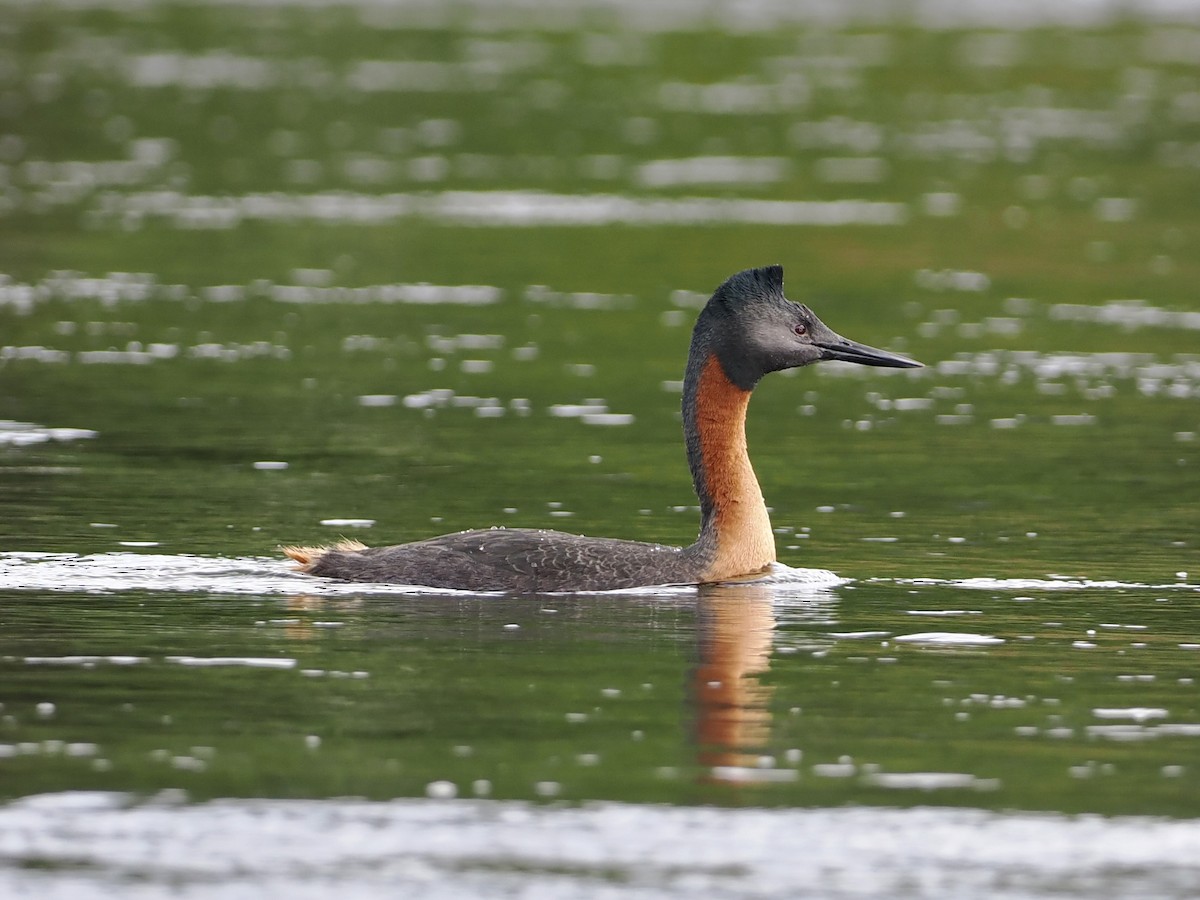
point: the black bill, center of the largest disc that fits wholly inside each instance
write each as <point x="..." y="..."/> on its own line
<point x="850" y="351"/>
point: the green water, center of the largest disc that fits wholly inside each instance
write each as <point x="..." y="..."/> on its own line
<point x="1049" y="448"/>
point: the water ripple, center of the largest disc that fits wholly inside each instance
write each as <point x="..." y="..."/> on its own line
<point x="93" y="844"/>
<point x="110" y="573"/>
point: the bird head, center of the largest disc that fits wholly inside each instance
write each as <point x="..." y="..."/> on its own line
<point x="755" y="329"/>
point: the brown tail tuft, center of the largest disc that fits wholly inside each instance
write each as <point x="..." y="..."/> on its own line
<point x="308" y="556"/>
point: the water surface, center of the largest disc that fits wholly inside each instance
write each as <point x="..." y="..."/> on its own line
<point x="282" y="273"/>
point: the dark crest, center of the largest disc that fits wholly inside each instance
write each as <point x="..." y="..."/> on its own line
<point x="772" y="276"/>
<point x="752" y="284"/>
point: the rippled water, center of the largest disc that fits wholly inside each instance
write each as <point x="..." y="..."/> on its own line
<point x="183" y="678"/>
<point x="445" y="849"/>
<point x="119" y="572"/>
<point x="279" y="273"/>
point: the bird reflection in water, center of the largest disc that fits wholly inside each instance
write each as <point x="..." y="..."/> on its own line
<point x="735" y="630"/>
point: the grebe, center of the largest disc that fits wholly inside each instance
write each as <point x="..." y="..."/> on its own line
<point x="747" y="329"/>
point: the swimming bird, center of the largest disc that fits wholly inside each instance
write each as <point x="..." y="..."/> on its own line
<point x="747" y="329"/>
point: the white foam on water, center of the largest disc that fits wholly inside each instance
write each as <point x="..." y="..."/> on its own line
<point x="1035" y="584"/>
<point x="779" y="574"/>
<point x="931" y="781"/>
<point x="122" y="571"/>
<point x="252" y="662"/>
<point x="82" y="660"/>
<point x="859" y="635"/>
<point x="84" y="845"/>
<point x="112" y="573"/>
<point x="753" y="775"/>
<point x="944" y="612"/>
<point x="24" y="434"/>
<point x="948" y="638"/>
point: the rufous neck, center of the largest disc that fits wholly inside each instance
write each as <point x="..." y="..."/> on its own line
<point x="735" y="530"/>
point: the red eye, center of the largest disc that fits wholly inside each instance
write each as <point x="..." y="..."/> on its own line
<point x="801" y="329"/>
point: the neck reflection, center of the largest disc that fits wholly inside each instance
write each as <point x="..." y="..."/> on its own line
<point x="736" y="633"/>
<point x="735" y="626"/>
